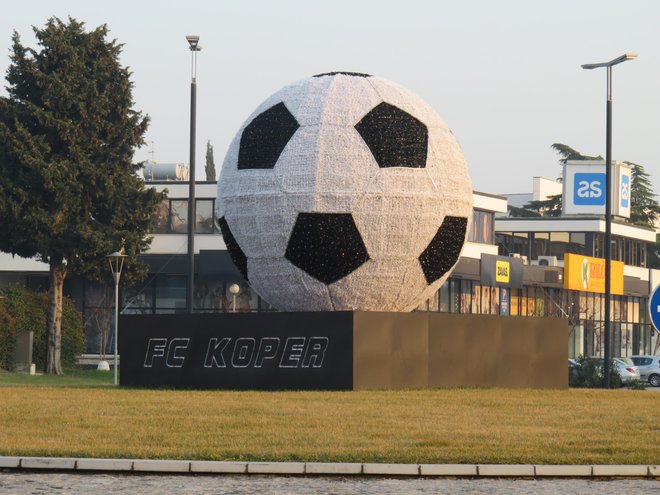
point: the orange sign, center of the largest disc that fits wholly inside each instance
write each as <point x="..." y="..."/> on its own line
<point x="587" y="274"/>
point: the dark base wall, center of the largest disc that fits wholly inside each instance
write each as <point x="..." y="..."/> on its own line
<point x="342" y="351"/>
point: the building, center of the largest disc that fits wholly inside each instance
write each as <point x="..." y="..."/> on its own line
<point x="530" y="253"/>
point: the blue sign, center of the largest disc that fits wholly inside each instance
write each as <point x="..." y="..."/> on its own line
<point x="625" y="191"/>
<point x="504" y="301"/>
<point x="654" y="308"/>
<point x="589" y="189"/>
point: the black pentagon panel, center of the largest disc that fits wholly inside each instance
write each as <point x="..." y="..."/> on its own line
<point x="264" y="139"/>
<point x="395" y="138"/>
<point x="327" y="246"/>
<point x="354" y="74"/>
<point x="235" y="252"/>
<point x="445" y="248"/>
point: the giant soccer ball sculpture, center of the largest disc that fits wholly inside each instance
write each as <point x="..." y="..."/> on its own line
<point x="344" y="192"/>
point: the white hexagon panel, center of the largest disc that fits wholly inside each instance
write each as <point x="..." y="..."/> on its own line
<point x="343" y="192"/>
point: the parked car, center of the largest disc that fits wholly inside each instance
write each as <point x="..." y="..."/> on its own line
<point x="649" y="368"/>
<point x="627" y="372"/>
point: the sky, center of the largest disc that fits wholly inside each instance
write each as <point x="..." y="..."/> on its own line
<point x="505" y="75"/>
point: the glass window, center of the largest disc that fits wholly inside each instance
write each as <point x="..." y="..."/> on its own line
<point x="514" y="303"/>
<point x="521" y="243"/>
<point x="161" y="221"/>
<point x="98" y="316"/>
<point x="454" y="296"/>
<point x="577" y="243"/>
<point x="485" y="300"/>
<point x="139" y="299"/>
<point x="179" y="216"/>
<point x="476" y="299"/>
<point x="466" y="297"/>
<point x="494" y="300"/>
<point x="204" y="216"/>
<point x="559" y="242"/>
<point x="541" y="244"/>
<point x="170" y="293"/>
<point x="482" y="227"/>
<point x="599" y="246"/>
<point x="444" y="297"/>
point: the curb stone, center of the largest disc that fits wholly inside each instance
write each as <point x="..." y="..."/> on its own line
<point x="224" y="467"/>
<point x="333" y="468"/>
<point x="60" y="463"/>
<point x="158" y="466"/>
<point x="118" y="465"/>
<point x="330" y="468"/>
<point x="516" y="470"/>
<point x="276" y="467"/>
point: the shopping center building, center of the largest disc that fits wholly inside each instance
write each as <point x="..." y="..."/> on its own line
<point x="524" y="267"/>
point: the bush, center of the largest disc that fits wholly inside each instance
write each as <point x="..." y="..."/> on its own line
<point x="23" y="311"/>
<point x="7" y="339"/>
<point x="589" y="373"/>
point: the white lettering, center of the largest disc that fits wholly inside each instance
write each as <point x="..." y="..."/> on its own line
<point x="588" y="189"/>
<point x="155" y="348"/>
<point x="174" y="360"/>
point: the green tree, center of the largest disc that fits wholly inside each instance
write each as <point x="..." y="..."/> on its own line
<point x="568" y="153"/>
<point x="69" y="192"/>
<point x="210" y="163"/>
<point x="644" y="209"/>
<point x="550" y="207"/>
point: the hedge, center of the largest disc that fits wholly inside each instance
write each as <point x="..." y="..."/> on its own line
<point x="21" y="311"/>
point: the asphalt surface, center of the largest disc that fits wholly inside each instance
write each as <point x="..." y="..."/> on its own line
<point x="21" y="483"/>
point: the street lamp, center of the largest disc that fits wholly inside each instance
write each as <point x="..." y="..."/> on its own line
<point x="116" y="260"/>
<point x="608" y="204"/>
<point x="193" y="42"/>
<point x="234" y="289"/>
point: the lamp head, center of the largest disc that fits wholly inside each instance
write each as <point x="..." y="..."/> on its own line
<point x="618" y="60"/>
<point x="116" y="261"/>
<point x="193" y="41"/>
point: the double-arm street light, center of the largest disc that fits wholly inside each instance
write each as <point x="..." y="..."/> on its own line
<point x="193" y="42"/>
<point x="608" y="205"/>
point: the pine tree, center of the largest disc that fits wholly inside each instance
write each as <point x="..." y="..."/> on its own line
<point x="69" y="192"/>
<point x="644" y="209"/>
<point x="210" y="163"/>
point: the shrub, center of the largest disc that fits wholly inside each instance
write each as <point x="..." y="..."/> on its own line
<point x="589" y="373"/>
<point x="7" y="339"/>
<point x="23" y="311"/>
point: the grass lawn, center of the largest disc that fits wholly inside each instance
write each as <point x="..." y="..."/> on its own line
<point x="72" y="378"/>
<point x="416" y="426"/>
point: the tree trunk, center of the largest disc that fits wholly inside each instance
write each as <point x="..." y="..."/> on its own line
<point x="54" y="332"/>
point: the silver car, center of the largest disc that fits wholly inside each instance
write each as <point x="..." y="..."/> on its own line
<point x="628" y="372"/>
<point x="649" y="368"/>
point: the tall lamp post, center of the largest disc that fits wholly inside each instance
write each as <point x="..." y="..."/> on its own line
<point x="193" y="42"/>
<point x="608" y="205"/>
<point x="116" y="260"/>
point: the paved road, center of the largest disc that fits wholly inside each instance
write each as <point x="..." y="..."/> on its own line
<point x="21" y="483"/>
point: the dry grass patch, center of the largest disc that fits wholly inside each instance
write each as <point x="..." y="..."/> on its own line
<point x="426" y="426"/>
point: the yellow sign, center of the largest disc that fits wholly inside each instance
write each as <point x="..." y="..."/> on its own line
<point x="587" y="274"/>
<point x="502" y="270"/>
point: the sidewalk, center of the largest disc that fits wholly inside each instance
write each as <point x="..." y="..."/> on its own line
<point x="341" y="469"/>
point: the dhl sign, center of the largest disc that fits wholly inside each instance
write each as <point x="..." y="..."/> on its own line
<point x="587" y="274"/>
